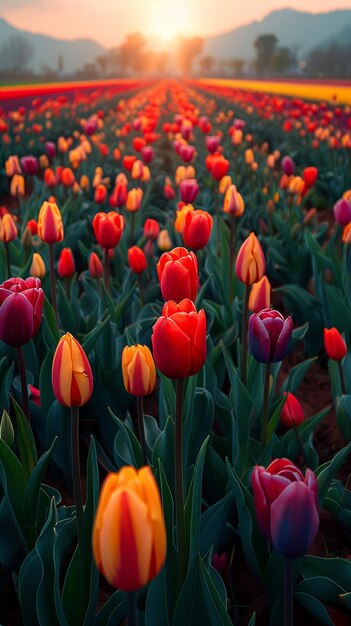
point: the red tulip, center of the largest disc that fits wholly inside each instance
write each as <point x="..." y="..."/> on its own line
<point x="179" y="339"/>
<point x="334" y="344"/>
<point x="292" y="414"/>
<point x="137" y="260"/>
<point x="151" y="229"/>
<point x="66" y="266"/>
<point x="108" y="228"/>
<point x="178" y="274"/>
<point x="197" y="229"/>
<point x="95" y="266"/>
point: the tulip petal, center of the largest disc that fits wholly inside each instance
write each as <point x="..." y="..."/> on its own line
<point x="259" y="340"/>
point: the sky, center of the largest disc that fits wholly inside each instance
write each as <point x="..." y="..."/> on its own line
<point x="109" y="21"/>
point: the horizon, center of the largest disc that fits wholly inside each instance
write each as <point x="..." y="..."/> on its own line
<point x="164" y="21"/>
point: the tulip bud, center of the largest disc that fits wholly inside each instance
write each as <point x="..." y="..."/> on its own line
<point x="260" y="295"/>
<point x="286" y="505"/>
<point x="71" y="376"/>
<point x="66" y="265"/>
<point x="342" y="211"/>
<point x="197" y="229"/>
<point x="108" y="228"/>
<point x="163" y="241"/>
<point x="138" y="369"/>
<point x="29" y="165"/>
<point x="50" y="226"/>
<point x="95" y="266"/>
<point x="8" y="228"/>
<point x="310" y="175"/>
<point x="292" y="414"/>
<point x="17" y="187"/>
<point x="179" y="339"/>
<point x="177" y="272"/>
<point x="100" y="194"/>
<point x="134" y="199"/>
<point x="21" y="304"/>
<point x="129" y="535"/>
<point x="269" y="336"/>
<point x="181" y="216"/>
<point x="151" y="229"/>
<point x="250" y="263"/>
<point x="233" y="202"/>
<point x="288" y="165"/>
<point x="188" y="190"/>
<point x="37" y="267"/>
<point x="334" y="344"/>
<point x="137" y="260"/>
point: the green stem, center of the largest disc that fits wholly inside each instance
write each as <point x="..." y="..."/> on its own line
<point x="302" y="449"/>
<point x="24" y="388"/>
<point x="107" y="273"/>
<point x="77" y="489"/>
<point x="232" y="253"/>
<point x="244" y="346"/>
<point x="288" y="593"/>
<point x="132" y="617"/>
<point x="7" y="257"/>
<point x="264" y="418"/>
<point x="53" y="280"/>
<point x="141" y="289"/>
<point x="179" y="482"/>
<point x="141" y="428"/>
<point x="218" y="244"/>
<point x="132" y="222"/>
<point x="342" y="378"/>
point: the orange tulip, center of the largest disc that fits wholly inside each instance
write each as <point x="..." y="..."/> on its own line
<point x="50" y="227"/>
<point x="129" y="536"/>
<point x="17" y="186"/>
<point x="8" y="228"/>
<point x="233" y="202"/>
<point x="71" y="376"/>
<point x="260" y="296"/>
<point x="250" y="263"/>
<point x="37" y="267"/>
<point x="138" y="369"/>
<point x="134" y="199"/>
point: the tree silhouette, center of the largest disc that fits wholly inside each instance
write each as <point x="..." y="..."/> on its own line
<point x="187" y="49"/>
<point x="15" y="55"/>
<point x="265" y="48"/>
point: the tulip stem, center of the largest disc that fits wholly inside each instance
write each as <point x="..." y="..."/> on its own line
<point x="77" y="488"/>
<point x="232" y="252"/>
<point x="24" y="388"/>
<point x="107" y="273"/>
<point x="53" y="280"/>
<point x="244" y="335"/>
<point x="302" y="449"/>
<point x="141" y="428"/>
<point x="141" y="290"/>
<point x="132" y="221"/>
<point x="342" y="378"/>
<point x="288" y="593"/>
<point x="179" y="482"/>
<point x="218" y="244"/>
<point x="7" y="257"/>
<point x="132" y="617"/>
<point x="264" y="419"/>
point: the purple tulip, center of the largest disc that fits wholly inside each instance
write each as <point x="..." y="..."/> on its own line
<point x="342" y="211"/>
<point x="269" y="335"/>
<point x="212" y="143"/>
<point x="286" y="505"/>
<point x="21" y="304"/>
<point x="29" y="165"/>
<point x="288" y="165"/>
<point x="188" y="190"/>
<point x="50" y="149"/>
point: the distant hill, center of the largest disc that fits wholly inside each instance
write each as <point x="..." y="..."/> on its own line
<point x="47" y="50"/>
<point x="296" y="29"/>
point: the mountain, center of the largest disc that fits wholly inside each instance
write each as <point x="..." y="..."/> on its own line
<point x="47" y="50"/>
<point x="298" y="30"/>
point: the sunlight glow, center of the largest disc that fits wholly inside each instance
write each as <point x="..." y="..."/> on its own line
<point x="167" y="20"/>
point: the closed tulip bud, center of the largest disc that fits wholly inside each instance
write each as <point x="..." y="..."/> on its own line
<point x="128" y="161"/>
<point x="37" y="267"/>
<point x="27" y="240"/>
<point x="8" y="228"/>
<point x="134" y="199"/>
<point x="233" y="202"/>
<point x="50" y="179"/>
<point x="50" y="226"/>
<point x="67" y="178"/>
<point x="269" y="336"/>
<point x="177" y="272"/>
<point x="334" y="344"/>
<point x="119" y="196"/>
<point x="163" y="241"/>
<point x="138" y="369"/>
<point x="212" y="142"/>
<point x="292" y="414"/>
<point x="66" y="265"/>
<point x="197" y="229"/>
<point x="21" y="304"/>
<point x="147" y="154"/>
<point x="169" y="192"/>
<point x="29" y="165"/>
<point x="286" y="505"/>
<point x="260" y="295"/>
<point x="224" y="183"/>
<point x="84" y="182"/>
<point x="32" y="225"/>
<point x="151" y="229"/>
<point x="12" y="166"/>
<point x="346" y="234"/>
<point x="95" y="266"/>
<point x="108" y="228"/>
<point x="100" y="194"/>
<point x="71" y="375"/>
<point x="189" y="190"/>
<point x="342" y="211"/>
<point x="137" y="169"/>
<point x="310" y="175"/>
<point x="7" y="433"/>
<point x="179" y="339"/>
<point x="249" y="156"/>
<point x="129" y="535"/>
<point x="50" y="149"/>
<point x="288" y="166"/>
<point x="219" y="167"/>
<point x="17" y="187"/>
<point x="250" y="263"/>
<point x="181" y="217"/>
<point x="137" y="260"/>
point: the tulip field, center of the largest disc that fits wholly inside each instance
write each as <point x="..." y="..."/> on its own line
<point x="175" y="283"/>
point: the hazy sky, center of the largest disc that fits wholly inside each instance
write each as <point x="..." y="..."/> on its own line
<point x="108" y="21"/>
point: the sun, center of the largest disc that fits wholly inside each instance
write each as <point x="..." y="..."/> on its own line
<point x="168" y="19"/>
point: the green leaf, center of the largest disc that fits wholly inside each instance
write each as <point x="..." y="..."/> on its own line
<point x="28" y="581"/>
<point x="192" y="509"/>
<point x="214" y="523"/>
<point x="215" y="603"/>
<point x="114" y="609"/>
<point x="91" y="338"/>
<point x="49" y="324"/>
<point x="25" y="439"/>
<point x="343" y="416"/>
<point x="34" y="492"/>
<point x="326" y="472"/>
<point x="46" y="590"/>
<point x="296" y="374"/>
<point x="314" y="607"/>
<point x="273" y="422"/>
<point x="127" y="449"/>
<point x="338" y="569"/>
<point x="14" y="485"/>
